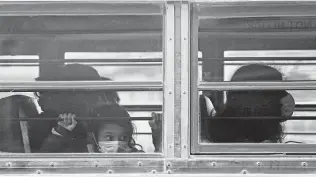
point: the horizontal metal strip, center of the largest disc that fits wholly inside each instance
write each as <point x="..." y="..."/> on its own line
<point x="253" y="30"/>
<point x="246" y="165"/>
<point x="142" y="34"/>
<point x="300" y="132"/>
<point x="254" y="148"/>
<point x="94" y="64"/>
<point x="267" y="117"/>
<point x="138" y="133"/>
<point x="181" y="173"/>
<point x="258" y="59"/>
<point x="87" y="35"/>
<point x="258" y="35"/>
<point x="71" y="33"/>
<point x="80" y="157"/>
<point x="270" y="53"/>
<point x="269" y="63"/>
<point x="33" y="86"/>
<point x="77" y="118"/>
<point x="143" y="108"/>
<point x="77" y="60"/>
<point x="237" y="9"/>
<point x="285" y="85"/>
<point x="78" y="8"/>
<point x="305" y="107"/>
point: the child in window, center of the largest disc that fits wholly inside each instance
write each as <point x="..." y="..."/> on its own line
<point x="113" y="135"/>
<point x="253" y="103"/>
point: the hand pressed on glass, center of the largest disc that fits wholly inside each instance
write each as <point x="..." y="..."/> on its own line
<point x="68" y="121"/>
<point x="156" y="127"/>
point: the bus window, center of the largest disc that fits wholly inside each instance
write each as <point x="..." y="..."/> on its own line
<point x="95" y="81"/>
<point x="255" y="72"/>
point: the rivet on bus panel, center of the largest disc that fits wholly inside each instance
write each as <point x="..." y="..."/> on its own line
<point x="169" y="172"/>
<point x="153" y="171"/>
<point x="304" y="164"/>
<point x="96" y="164"/>
<point x="109" y="171"/>
<point x="168" y="164"/>
<point x="9" y="164"/>
<point x="39" y="172"/>
<point x="184" y="92"/>
<point x="213" y="164"/>
<point x="244" y="172"/>
<point x="52" y="164"/>
<point x="170" y="146"/>
<point x="170" y="92"/>
<point x="184" y="146"/>
<point x="258" y="164"/>
<point x="140" y="164"/>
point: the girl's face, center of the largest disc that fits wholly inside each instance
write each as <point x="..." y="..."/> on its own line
<point x="288" y="105"/>
<point x="113" y="138"/>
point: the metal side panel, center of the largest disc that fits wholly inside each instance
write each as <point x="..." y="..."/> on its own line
<point x="170" y="175"/>
<point x="244" y="165"/>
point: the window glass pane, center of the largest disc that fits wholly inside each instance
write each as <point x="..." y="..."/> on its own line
<point x="294" y="130"/>
<point x="12" y="129"/>
<point x="123" y="48"/>
<point x="233" y="51"/>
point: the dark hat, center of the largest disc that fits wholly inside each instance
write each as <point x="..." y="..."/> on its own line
<point x="72" y="72"/>
<point x="257" y="72"/>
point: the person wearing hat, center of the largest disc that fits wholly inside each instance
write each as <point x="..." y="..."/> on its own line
<point x="69" y="134"/>
<point x="252" y="103"/>
<point x="47" y="135"/>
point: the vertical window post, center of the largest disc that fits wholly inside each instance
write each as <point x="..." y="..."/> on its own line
<point x="169" y="89"/>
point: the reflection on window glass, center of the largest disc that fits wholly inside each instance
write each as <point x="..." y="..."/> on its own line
<point x="13" y="133"/>
<point x="18" y="71"/>
<point x="264" y="103"/>
<point x="73" y="121"/>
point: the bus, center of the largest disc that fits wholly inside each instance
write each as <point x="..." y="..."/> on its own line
<point x="160" y="57"/>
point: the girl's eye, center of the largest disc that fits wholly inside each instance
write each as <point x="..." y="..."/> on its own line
<point x="124" y="138"/>
<point x="108" y="138"/>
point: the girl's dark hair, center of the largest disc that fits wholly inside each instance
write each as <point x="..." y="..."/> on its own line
<point x="250" y="104"/>
<point x="123" y="120"/>
<point x="111" y="95"/>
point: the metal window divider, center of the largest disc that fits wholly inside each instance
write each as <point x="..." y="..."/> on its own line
<point x="168" y="77"/>
<point x="185" y="80"/>
<point x="177" y="80"/>
<point x="194" y="102"/>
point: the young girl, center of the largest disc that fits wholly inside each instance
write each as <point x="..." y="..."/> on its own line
<point x="113" y="135"/>
<point x="253" y="103"/>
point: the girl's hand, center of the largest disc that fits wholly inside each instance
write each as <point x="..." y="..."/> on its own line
<point x="68" y="121"/>
<point x="156" y="127"/>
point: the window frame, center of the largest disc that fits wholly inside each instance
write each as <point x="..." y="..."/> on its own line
<point x="140" y="162"/>
<point x="180" y="99"/>
<point x="220" y="9"/>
